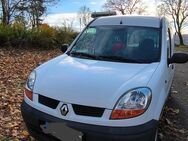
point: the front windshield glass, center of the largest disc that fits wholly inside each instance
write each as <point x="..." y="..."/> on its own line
<point x="119" y="43"/>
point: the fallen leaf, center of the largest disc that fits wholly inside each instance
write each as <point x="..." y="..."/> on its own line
<point x="15" y="66"/>
<point x="168" y="121"/>
<point x="176" y="111"/>
<point x="175" y="92"/>
<point x="161" y="136"/>
<point x="182" y="131"/>
<point x="25" y="133"/>
<point x="186" y="83"/>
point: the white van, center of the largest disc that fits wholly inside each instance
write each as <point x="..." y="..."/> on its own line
<point x="111" y="84"/>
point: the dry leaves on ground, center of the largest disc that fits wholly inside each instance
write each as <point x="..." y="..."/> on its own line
<point x="170" y="125"/>
<point x="15" y="66"/>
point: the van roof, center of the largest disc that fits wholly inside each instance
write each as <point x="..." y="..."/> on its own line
<point x="145" y="21"/>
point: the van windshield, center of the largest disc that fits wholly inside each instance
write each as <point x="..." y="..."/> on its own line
<point x="119" y="44"/>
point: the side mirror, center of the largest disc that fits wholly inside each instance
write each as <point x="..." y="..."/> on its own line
<point x="64" y="47"/>
<point x="178" y="58"/>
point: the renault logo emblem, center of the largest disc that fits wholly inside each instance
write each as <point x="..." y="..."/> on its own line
<point x="64" y="109"/>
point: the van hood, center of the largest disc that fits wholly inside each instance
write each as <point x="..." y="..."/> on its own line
<point x="90" y="82"/>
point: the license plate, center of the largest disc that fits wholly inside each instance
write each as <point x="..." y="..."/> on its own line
<point x="61" y="131"/>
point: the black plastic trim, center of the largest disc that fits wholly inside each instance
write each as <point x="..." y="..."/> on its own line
<point x="144" y="132"/>
<point x="49" y="102"/>
<point x="87" y="110"/>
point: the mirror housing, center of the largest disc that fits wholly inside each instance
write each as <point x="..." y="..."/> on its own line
<point x="178" y="58"/>
<point x="64" y="47"/>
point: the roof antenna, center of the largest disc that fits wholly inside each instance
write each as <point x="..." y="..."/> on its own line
<point x="121" y="22"/>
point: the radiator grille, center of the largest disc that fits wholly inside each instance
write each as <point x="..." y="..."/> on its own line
<point x="88" y="111"/>
<point x="49" y="102"/>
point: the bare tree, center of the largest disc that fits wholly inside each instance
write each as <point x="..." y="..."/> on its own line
<point x="178" y="11"/>
<point x="125" y="6"/>
<point x="36" y="9"/>
<point x="84" y="15"/>
<point x="68" y="24"/>
<point x="8" y="8"/>
<point x="161" y="10"/>
<point x="20" y="20"/>
<point x="29" y="9"/>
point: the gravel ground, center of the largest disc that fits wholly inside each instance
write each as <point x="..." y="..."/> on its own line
<point x="178" y="101"/>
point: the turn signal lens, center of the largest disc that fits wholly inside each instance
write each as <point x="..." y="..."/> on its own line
<point x="122" y="114"/>
<point x="29" y="94"/>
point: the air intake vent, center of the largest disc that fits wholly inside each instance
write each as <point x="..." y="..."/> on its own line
<point x="88" y="111"/>
<point x="52" y="103"/>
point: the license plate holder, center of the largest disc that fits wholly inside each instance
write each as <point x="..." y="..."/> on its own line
<point x="61" y="131"/>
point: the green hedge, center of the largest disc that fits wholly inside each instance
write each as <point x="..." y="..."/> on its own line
<point x="42" y="37"/>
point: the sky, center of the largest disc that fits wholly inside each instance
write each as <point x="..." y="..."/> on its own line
<point x="73" y="6"/>
<point x="66" y="11"/>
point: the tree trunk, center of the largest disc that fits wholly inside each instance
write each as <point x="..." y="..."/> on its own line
<point x="4" y="12"/>
<point x="180" y="38"/>
<point x="4" y="18"/>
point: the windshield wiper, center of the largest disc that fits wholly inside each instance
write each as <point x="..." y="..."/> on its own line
<point x="82" y="54"/>
<point x="121" y="59"/>
<point x="108" y="58"/>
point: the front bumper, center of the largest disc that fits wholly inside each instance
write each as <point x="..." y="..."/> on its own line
<point x="34" y="118"/>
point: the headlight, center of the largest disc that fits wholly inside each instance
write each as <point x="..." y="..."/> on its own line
<point x="30" y="85"/>
<point x="31" y="80"/>
<point x="132" y="104"/>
